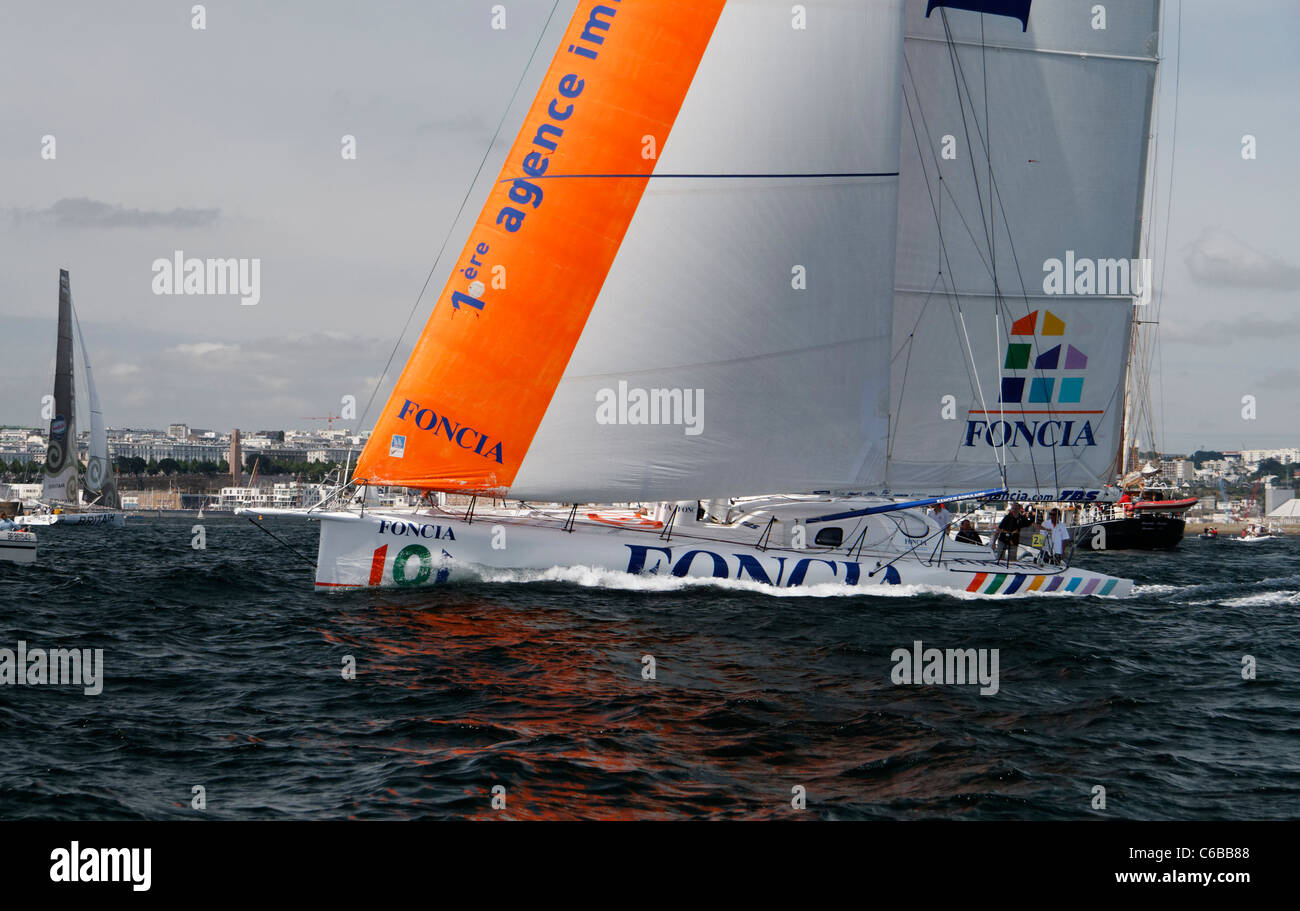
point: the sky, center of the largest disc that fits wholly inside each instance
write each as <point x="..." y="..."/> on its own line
<point x="225" y="142"/>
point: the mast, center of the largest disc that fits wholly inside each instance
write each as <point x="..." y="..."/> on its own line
<point x="1122" y="464"/>
<point x="60" y="481"/>
<point x="1137" y="374"/>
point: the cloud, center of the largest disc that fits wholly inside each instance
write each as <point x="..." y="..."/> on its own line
<point x="1218" y="258"/>
<point x="1219" y="333"/>
<point x="153" y="377"/>
<point x="198" y="349"/>
<point x="460" y="122"/>
<point x="81" y="212"/>
<point x="1286" y="379"/>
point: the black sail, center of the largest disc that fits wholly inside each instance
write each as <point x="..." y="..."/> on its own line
<point x="60" y="481"/>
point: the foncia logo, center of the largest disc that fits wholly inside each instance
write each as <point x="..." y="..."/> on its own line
<point x="1039" y="400"/>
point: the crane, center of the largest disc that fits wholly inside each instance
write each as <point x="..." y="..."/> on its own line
<point x="329" y="419"/>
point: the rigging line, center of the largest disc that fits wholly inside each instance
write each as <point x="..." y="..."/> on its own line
<point x="961" y="108"/>
<point x="993" y="241"/>
<point x="943" y="246"/>
<point x="959" y="80"/>
<point x="988" y="157"/>
<point x="925" y="128"/>
<point x="935" y="208"/>
<point x="1024" y="293"/>
<point x="997" y="344"/>
<point x="1169" y="204"/>
<point x="907" y="343"/>
<point x="959" y="77"/>
<point x="972" y="375"/>
<point x="1147" y="347"/>
<point x="1160" y="371"/>
<point x="286" y="544"/>
<point x="452" y="227"/>
<point x="907" y="364"/>
<point x="984" y="405"/>
<point x="1173" y="158"/>
<point x="1000" y="303"/>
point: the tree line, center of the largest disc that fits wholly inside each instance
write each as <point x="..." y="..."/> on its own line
<point x="18" y="471"/>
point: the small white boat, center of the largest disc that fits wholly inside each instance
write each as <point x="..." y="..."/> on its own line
<point x="17" y="547"/>
<point x="1256" y="532"/>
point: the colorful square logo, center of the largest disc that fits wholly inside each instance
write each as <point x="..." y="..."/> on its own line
<point x="1060" y="357"/>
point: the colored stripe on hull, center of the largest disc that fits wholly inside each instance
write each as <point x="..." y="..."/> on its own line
<point x="977" y="582"/>
<point x="377" y="565"/>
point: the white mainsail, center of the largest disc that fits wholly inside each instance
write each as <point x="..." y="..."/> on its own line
<point x="1022" y="147"/>
<point x="702" y="295"/>
<point x="97" y="465"/>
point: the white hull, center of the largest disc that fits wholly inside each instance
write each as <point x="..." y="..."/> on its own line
<point x="414" y="548"/>
<point x="112" y="519"/>
<point x="17" y="547"/>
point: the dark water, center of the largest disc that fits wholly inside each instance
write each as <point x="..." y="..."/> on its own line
<point x="222" y="669"/>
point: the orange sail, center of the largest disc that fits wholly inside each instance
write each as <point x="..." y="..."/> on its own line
<point x="468" y="404"/>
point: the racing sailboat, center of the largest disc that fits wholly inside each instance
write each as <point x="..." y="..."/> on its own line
<point x="681" y="292"/>
<point x="61" y="501"/>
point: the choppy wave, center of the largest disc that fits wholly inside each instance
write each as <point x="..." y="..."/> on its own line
<point x="224" y="668"/>
<point x="1264" y="598"/>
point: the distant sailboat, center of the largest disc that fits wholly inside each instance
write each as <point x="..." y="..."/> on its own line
<point x="16" y="545"/>
<point x="61" y="498"/>
<point x="748" y="261"/>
